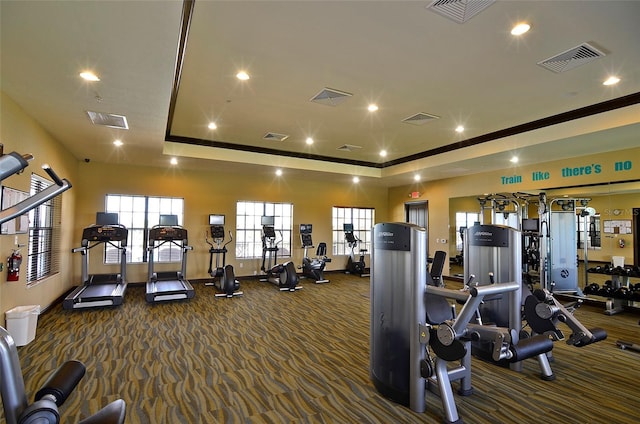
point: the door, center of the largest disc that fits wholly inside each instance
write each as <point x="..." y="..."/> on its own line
<point x="418" y="213"/>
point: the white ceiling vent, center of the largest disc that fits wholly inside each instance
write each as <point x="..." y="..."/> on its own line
<point x="275" y="136"/>
<point x="330" y="97"/>
<point x="572" y="58"/>
<point x="459" y="11"/>
<point x="420" y="118"/>
<point x="349" y="147"/>
<point x="108" y="120"/>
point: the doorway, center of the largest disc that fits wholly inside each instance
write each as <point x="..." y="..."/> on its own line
<point x="418" y="213"/>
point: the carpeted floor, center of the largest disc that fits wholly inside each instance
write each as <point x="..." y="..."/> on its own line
<point x="303" y="357"/>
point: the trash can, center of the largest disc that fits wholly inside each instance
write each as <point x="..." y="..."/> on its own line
<point x="22" y="322"/>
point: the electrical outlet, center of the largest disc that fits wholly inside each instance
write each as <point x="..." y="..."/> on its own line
<point x="241" y="264"/>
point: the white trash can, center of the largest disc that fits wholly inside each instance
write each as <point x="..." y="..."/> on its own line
<point x="22" y="322"/>
<point x="617" y="261"/>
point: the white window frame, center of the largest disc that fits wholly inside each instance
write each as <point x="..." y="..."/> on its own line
<point x="362" y="219"/>
<point x="43" y="259"/>
<point x="249" y="227"/>
<point x="139" y="213"/>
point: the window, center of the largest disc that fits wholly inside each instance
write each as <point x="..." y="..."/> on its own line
<point x="138" y="214"/>
<point x="362" y="220"/>
<point x="466" y="220"/>
<point x="44" y="234"/>
<point x="249" y="228"/>
<point x="593" y="231"/>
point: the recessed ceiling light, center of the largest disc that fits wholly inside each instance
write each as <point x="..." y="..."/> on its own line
<point x="278" y="172"/>
<point x="459" y="129"/>
<point x="383" y="153"/>
<point x="612" y="80"/>
<point x="89" y="76"/>
<point x="173" y="161"/>
<point x="514" y="159"/>
<point x="309" y="141"/>
<point x="372" y="107"/>
<point x="416" y="177"/>
<point x="356" y="179"/>
<point x="117" y="143"/>
<point x="212" y="125"/>
<point x="242" y="75"/>
<point x="520" y="28"/>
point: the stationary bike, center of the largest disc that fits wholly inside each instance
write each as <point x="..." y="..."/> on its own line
<point x="282" y="275"/>
<point x="313" y="267"/>
<point x="223" y="276"/>
<point x="354" y="266"/>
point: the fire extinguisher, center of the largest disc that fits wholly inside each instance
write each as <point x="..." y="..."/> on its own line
<point x="13" y="268"/>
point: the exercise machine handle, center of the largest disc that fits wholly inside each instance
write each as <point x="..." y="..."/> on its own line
<point x="53" y="175"/>
<point x="61" y="383"/>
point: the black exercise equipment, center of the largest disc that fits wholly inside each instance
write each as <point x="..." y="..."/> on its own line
<point x="168" y="285"/>
<point x="224" y="278"/>
<point x="100" y="290"/>
<point x="282" y="275"/>
<point x="354" y="266"/>
<point x="55" y="391"/>
<point x="313" y="267"/>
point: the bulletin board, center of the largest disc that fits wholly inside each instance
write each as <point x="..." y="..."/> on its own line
<point x="11" y="197"/>
<point x="620" y="226"/>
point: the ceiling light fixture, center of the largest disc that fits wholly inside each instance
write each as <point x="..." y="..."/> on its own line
<point x="383" y="153"/>
<point x="416" y="177"/>
<point x="212" y="125"/>
<point x="612" y="80"/>
<point x="459" y="129"/>
<point x="89" y="76"/>
<point x="278" y="172"/>
<point x="242" y="75"/>
<point x="356" y="180"/>
<point x="173" y="161"/>
<point x="520" y="28"/>
<point x="514" y="159"/>
<point x="372" y="107"/>
<point x="117" y="143"/>
<point x="309" y="141"/>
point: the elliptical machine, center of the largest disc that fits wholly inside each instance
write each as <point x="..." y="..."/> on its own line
<point x="224" y="278"/>
<point x="354" y="266"/>
<point x="282" y="275"/>
<point x="313" y="267"/>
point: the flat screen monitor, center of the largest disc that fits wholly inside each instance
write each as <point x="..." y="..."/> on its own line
<point x="268" y="220"/>
<point x="530" y="224"/>
<point x="306" y="228"/>
<point x="168" y="220"/>
<point x="348" y="228"/>
<point x="216" y="219"/>
<point x="106" y="218"/>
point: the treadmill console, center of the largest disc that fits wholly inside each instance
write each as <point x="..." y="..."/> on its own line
<point x="103" y="233"/>
<point x="167" y="233"/>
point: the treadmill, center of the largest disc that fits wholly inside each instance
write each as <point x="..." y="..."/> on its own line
<point x="100" y="290"/>
<point x="168" y="285"/>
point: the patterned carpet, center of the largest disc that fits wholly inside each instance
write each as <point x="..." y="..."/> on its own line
<point x="303" y="357"/>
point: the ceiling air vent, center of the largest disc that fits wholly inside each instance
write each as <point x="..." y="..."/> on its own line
<point x="275" y="136"/>
<point x="459" y="11"/>
<point x="420" y="118"/>
<point x="108" y="120"/>
<point x="330" y="97"/>
<point x="349" y="147"/>
<point x="572" y="58"/>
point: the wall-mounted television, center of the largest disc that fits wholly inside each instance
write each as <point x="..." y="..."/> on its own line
<point x="348" y="228"/>
<point x="216" y="219"/>
<point x="106" y="218"/>
<point x="268" y="220"/>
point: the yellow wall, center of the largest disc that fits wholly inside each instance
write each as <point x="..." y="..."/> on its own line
<point x="20" y="133"/>
<point x="209" y="192"/>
